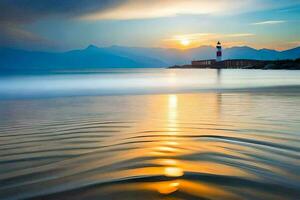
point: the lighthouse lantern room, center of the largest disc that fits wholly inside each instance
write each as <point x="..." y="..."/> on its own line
<point x="219" y="52"/>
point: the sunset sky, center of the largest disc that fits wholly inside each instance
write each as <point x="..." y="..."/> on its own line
<point x="63" y="25"/>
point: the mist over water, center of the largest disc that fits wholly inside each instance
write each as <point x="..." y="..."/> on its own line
<point x="141" y="81"/>
<point x="227" y="135"/>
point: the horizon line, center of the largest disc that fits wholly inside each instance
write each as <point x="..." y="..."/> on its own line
<point x="173" y="48"/>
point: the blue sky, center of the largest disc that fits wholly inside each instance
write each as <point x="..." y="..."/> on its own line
<point x="62" y="25"/>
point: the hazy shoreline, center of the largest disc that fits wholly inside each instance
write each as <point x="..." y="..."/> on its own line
<point x="146" y="81"/>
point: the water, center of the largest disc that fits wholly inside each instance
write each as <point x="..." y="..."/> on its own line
<point x="202" y="135"/>
<point x="142" y="81"/>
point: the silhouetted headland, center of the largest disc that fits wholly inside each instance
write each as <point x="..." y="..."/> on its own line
<point x="218" y="63"/>
<point x="242" y="64"/>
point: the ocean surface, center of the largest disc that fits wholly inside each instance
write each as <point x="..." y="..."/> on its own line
<point x="150" y="134"/>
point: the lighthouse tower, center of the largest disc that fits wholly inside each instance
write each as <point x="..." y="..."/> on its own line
<point x="219" y="52"/>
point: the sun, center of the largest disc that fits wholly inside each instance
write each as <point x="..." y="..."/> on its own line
<point x="185" y="42"/>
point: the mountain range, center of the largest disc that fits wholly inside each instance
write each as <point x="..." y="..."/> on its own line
<point x="127" y="57"/>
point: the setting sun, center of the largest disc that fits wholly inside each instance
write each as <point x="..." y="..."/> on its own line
<point x="185" y="42"/>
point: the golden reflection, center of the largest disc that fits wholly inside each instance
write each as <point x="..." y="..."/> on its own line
<point x="195" y="189"/>
<point x="167" y="162"/>
<point x="178" y="118"/>
<point x="172" y="113"/>
<point x="167" y="187"/>
<point x="173" y="172"/>
<point x="208" y="191"/>
<point x="172" y="108"/>
<point x="172" y="143"/>
<point x="168" y="149"/>
<point x="172" y="101"/>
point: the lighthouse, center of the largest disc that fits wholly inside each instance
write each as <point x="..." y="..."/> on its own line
<point x="219" y="52"/>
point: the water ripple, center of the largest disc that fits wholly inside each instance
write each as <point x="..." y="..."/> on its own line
<point x="167" y="151"/>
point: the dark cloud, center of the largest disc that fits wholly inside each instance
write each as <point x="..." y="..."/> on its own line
<point x="15" y="13"/>
<point x="13" y="36"/>
<point x="24" y="11"/>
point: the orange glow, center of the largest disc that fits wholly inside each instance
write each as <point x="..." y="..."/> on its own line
<point x="172" y="114"/>
<point x="185" y="42"/>
<point x="172" y="143"/>
<point x="206" y="190"/>
<point x="173" y="172"/>
<point x="168" y="187"/>
<point x="168" y="149"/>
<point x="167" y="162"/>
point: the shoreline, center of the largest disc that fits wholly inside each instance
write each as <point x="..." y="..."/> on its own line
<point x="257" y="64"/>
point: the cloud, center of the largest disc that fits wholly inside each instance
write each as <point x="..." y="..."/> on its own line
<point x="200" y="39"/>
<point x="208" y="36"/>
<point x="16" y="13"/>
<point x="269" y="22"/>
<point x="240" y="35"/>
<point x="292" y="44"/>
<point x="25" y="11"/>
<point x="192" y="36"/>
<point x="14" y="36"/>
<point x="145" y="9"/>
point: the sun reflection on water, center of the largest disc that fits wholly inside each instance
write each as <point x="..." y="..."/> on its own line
<point x="173" y="172"/>
<point x="170" y="145"/>
<point x="172" y="114"/>
<point x="173" y="138"/>
<point x="168" y="187"/>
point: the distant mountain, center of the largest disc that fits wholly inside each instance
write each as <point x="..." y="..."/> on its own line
<point x="91" y="57"/>
<point x="262" y="54"/>
<point x="128" y="57"/>
<point x="291" y="53"/>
